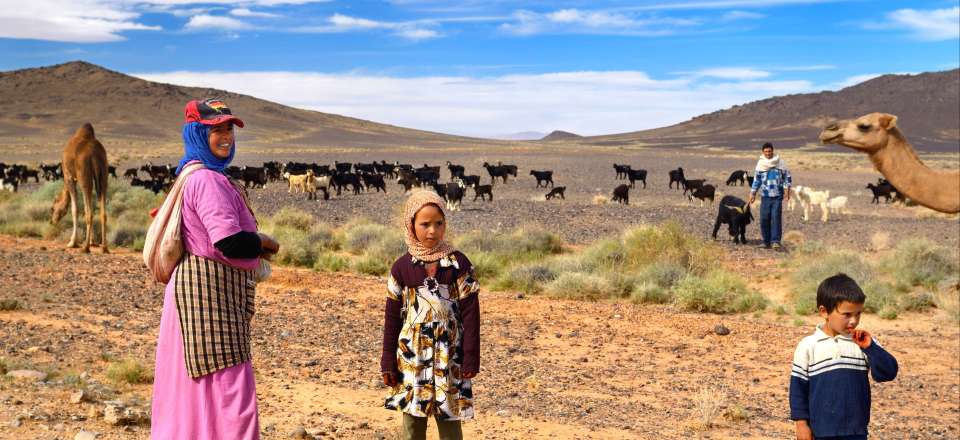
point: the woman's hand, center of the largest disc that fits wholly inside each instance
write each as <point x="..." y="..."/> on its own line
<point x="469" y="375"/>
<point x="390" y="379"/>
<point x="269" y="245"/>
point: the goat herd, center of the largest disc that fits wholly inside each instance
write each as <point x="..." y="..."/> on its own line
<point x="312" y="178"/>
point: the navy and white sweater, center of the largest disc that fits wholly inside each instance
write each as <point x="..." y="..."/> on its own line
<point x="829" y="386"/>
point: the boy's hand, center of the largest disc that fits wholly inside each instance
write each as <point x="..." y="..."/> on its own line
<point x="862" y="338"/>
<point x="803" y="430"/>
<point x="390" y="379"/>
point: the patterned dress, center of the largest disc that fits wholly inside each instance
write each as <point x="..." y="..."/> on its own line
<point x="430" y="350"/>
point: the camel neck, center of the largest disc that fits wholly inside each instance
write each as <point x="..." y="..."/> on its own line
<point x="898" y="162"/>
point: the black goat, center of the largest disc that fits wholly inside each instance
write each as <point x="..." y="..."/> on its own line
<point x="558" y="191"/>
<point x="543" y="176"/>
<point x="455" y="170"/>
<point x="496" y="171"/>
<point x="736" y="214"/>
<point x="737" y="176"/>
<point x="703" y="193"/>
<point x="677" y="176"/>
<point x="483" y="191"/>
<point x="621" y="194"/>
<point x="884" y="190"/>
<point x="621" y="170"/>
<point x="635" y="175"/>
<point x="691" y="185"/>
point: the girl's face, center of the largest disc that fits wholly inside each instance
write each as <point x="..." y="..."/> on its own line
<point x="221" y="139"/>
<point x="429" y="225"/>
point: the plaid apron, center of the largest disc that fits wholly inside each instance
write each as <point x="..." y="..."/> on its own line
<point x="215" y="303"/>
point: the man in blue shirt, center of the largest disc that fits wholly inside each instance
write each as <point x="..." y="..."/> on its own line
<point x="773" y="181"/>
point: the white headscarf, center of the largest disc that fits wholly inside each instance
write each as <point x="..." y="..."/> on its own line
<point x="765" y="164"/>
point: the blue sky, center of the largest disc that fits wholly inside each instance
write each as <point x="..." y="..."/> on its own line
<point x="496" y="66"/>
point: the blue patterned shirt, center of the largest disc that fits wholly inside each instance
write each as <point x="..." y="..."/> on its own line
<point x="771" y="183"/>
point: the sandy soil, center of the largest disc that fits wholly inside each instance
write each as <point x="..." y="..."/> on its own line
<point x="551" y="369"/>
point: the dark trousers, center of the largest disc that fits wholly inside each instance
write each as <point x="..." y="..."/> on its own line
<point x="771" y="210"/>
<point x="415" y="428"/>
<point x="845" y="437"/>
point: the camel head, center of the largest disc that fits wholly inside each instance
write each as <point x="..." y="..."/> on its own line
<point x="59" y="207"/>
<point x="868" y="133"/>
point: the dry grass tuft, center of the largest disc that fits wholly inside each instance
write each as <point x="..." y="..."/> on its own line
<point x="600" y="199"/>
<point x="709" y="403"/>
<point x="880" y="241"/>
<point x="794" y="238"/>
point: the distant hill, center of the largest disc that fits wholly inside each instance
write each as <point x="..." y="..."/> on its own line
<point x="560" y="135"/>
<point x="521" y="136"/>
<point x="927" y="106"/>
<point x="44" y="105"/>
<point x="51" y="102"/>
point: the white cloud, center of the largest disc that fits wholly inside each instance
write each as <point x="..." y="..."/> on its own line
<point x="339" y="23"/>
<point x="741" y="15"/>
<point x="589" y="102"/>
<point x="245" y="12"/>
<point x="722" y="4"/>
<point x="78" y="21"/>
<point x="736" y="73"/>
<point x="857" y="79"/>
<point x="208" y="22"/>
<point x="935" y="24"/>
<point x="575" y="21"/>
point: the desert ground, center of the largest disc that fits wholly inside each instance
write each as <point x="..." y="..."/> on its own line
<point x="551" y="368"/>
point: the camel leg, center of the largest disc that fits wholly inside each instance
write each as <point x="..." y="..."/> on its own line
<point x="88" y="216"/>
<point x="824" y="213"/>
<point x="71" y="187"/>
<point x="103" y="223"/>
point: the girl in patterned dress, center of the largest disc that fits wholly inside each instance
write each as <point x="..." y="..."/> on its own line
<point x="431" y="334"/>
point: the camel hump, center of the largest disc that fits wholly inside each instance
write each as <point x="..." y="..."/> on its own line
<point x="84" y="132"/>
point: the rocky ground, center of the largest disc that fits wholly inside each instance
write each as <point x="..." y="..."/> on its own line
<point x="551" y="369"/>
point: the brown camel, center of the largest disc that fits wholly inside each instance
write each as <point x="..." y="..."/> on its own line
<point x="84" y="162"/>
<point x="877" y="135"/>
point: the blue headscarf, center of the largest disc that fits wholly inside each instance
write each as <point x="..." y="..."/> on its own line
<point x="196" y="146"/>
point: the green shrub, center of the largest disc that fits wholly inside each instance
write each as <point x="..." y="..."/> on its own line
<point x="717" y="292"/>
<point x="664" y="274"/>
<point x="646" y="292"/>
<point x="813" y="270"/>
<point x="920" y="262"/>
<point x="603" y="254"/>
<point x="523" y="244"/>
<point x="330" y="262"/>
<point x="293" y="218"/>
<point x="3" y="366"/>
<point x="359" y="237"/>
<point x="7" y="305"/>
<point x="646" y="245"/>
<point x="528" y="278"/>
<point x="575" y="285"/>
<point x="917" y="302"/>
<point x="486" y="266"/>
<point x="129" y="371"/>
<point x="370" y="265"/>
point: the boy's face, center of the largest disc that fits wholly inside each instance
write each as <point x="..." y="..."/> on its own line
<point x="843" y="319"/>
<point x="768" y="153"/>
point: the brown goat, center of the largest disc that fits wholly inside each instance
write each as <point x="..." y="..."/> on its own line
<point x="84" y="162"/>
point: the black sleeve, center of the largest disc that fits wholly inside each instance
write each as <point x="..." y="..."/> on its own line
<point x="243" y="244"/>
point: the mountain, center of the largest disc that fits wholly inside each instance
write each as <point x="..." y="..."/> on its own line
<point x="45" y="105"/>
<point x="927" y="106"/>
<point x="560" y="135"/>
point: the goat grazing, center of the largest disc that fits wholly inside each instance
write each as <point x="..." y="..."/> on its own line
<point x="621" y="194"/>
<point x="735" y="213"/>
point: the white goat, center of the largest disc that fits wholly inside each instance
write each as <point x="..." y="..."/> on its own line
<point x="810" y="198"/>
<point x="838" y="205"/>
<point x="298" y="183"/>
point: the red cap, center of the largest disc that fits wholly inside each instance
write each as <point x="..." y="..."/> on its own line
<point x="210" y="112"/>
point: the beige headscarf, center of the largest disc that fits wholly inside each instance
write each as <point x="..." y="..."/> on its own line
<point x="418" y="200"/>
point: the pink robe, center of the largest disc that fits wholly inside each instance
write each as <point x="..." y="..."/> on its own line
<point x="220" y="405"/>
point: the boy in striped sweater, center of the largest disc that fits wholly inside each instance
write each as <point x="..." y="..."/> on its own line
<point x="829" y="389"/>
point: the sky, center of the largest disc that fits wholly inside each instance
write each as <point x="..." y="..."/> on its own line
<point x="494" y="67"/>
